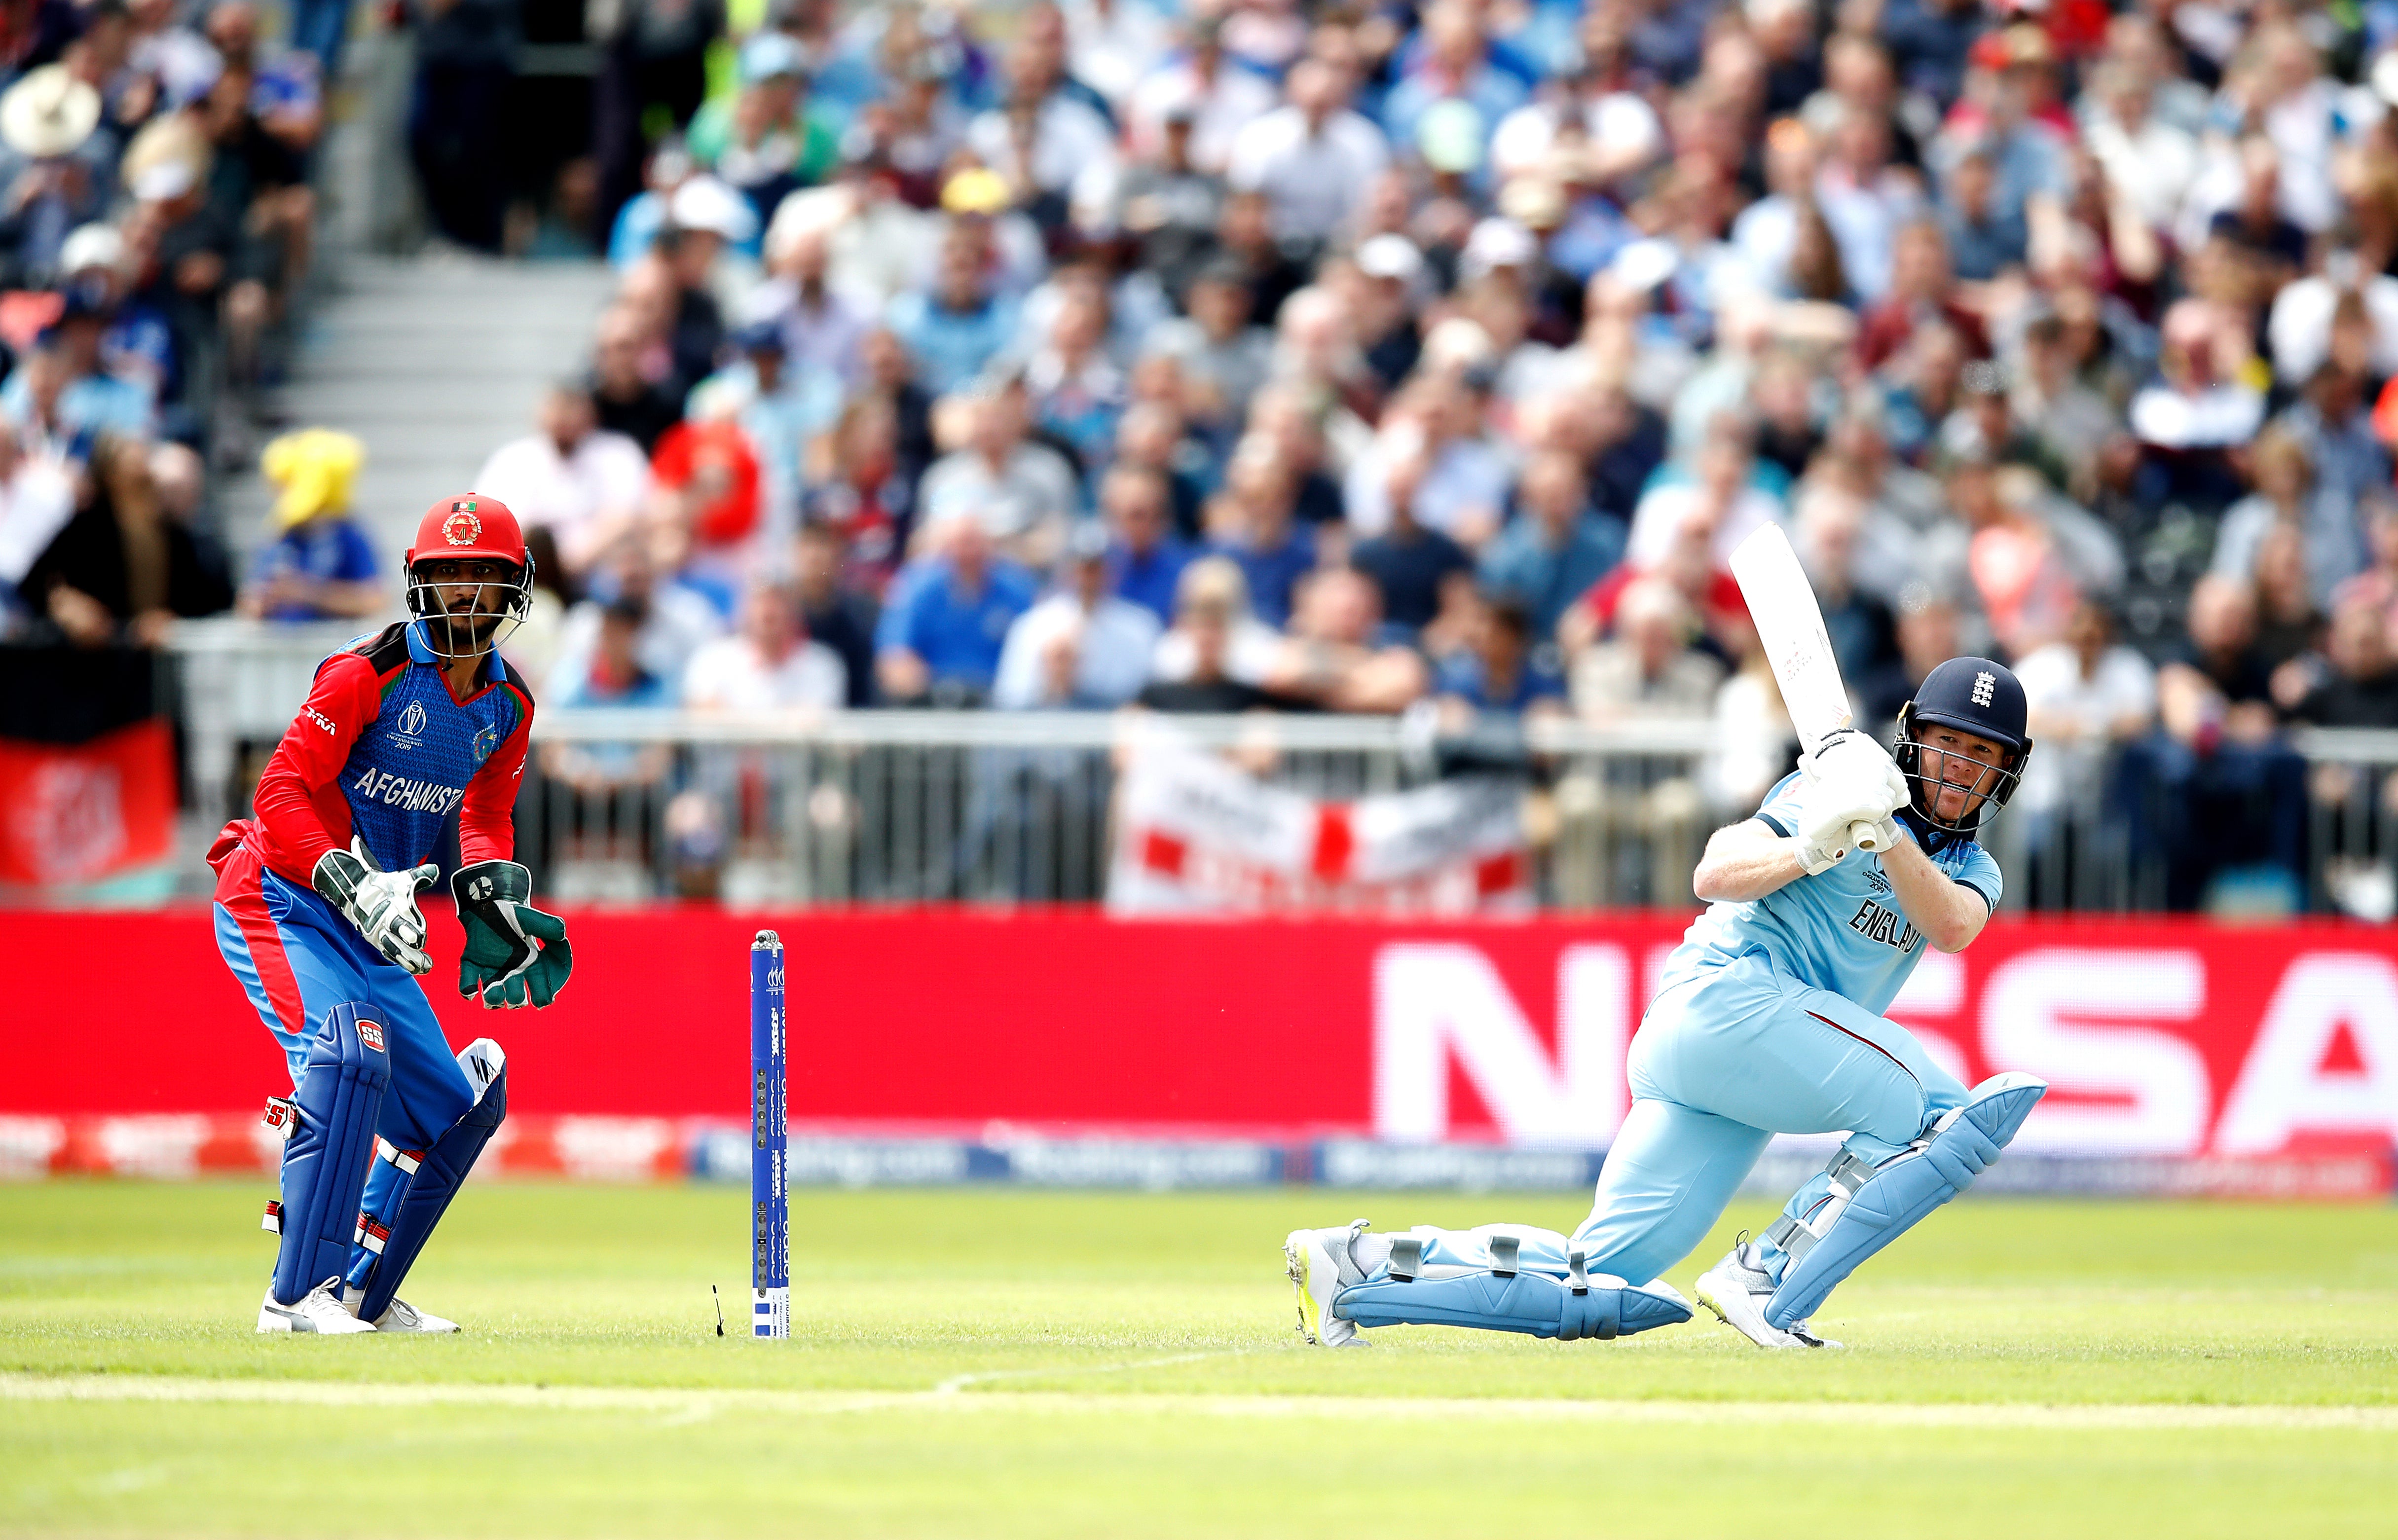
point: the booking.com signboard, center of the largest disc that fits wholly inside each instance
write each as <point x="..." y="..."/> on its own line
<point x="2171" y="1039"/>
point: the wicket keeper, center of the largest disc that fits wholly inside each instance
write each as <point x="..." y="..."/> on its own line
<point x="1769" y="1020"/>
<point x="315" y="914"/>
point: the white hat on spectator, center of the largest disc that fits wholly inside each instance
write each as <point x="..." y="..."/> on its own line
<point x="48" y="114"/>
<point x="704" y="203"/>
<point x="164" y="182"/>
<point x="91" y="246"/>
<point x="1497" y="242"/>
<point x="1458" y="343"/>
<point x="1390" y="256"/>
<point x="1644" y="263"/>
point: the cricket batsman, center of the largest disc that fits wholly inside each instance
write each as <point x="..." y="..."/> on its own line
<point x="1769" y="1019"/>
<point x="315" y="914"/>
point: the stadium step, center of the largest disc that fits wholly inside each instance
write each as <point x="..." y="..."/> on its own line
<point x="433" y="363"/>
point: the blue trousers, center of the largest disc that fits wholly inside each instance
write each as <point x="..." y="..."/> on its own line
<point x="1722" y="1064"/>
<point x="296" y="957"/>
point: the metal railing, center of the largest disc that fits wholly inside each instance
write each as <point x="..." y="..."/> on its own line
<point x="1007" y="807"/>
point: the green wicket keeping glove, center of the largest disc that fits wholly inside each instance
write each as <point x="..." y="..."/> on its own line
<point x="516" y="955"/>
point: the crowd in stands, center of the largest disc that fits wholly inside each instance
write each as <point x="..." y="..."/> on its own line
<point x="1343" y="356"/>
<point x="156" y="226"/>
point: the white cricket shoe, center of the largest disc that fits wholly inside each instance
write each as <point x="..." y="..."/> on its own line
<point x="318" y="1310"/>
<point x="1320" y="1263"/>
<point x="1736" y="1290"/>
<point x="400" y="1315"/>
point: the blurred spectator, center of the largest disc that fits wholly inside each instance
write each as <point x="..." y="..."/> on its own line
<point x="1431" y="443"/>
<point x="769" y="664"/>
<point x="954" y="327"/>
<point x="1412" y="568"/>
<point x="122" y="569"/>
<point x="2215" y="792"/>
<point x="767" y="138"/>
<point x="677" y="619"/>
<point x="59" y="392"/>
<point x="1717" y="496"/>
<point x="1334" y="658"/>
<point x="947" y="618"/>
<point x="583" y="483"/>
<point x="37" y="497"/>
<point x="861" y="490"/>
<point x="321" y="565"/>
<point x="1647" y="669"/>
<point x="1216" y="96"/>
<point x="2088" y="695"/>
<point x="1216" y="656"/>
<point x="1255" y="523"/>
<point x="656" y="56"/>
<point x="1168" y="204"/>
<point x="2330" y="421"/>
<point x="614" y="679"/>
<point x="837" y="615"/>
<point x="1647" y="672"/>
<point x="2355" y="683"/>
<point x="625" y="396"/>
<point x="1021" y="489"/>
<point x="1225" y="359"/>
<point x="1081" y="648"/>
<point x="56" y="172"/>
<point x="1555" y="548"/>
<point x="1312" y="158"/>
<point x="823" y="330"/>
<point x="1863" y="638"/>
<point x="466" y="61"/>
<point x="1145" y="561"/>
<point x="1501" y="667"/>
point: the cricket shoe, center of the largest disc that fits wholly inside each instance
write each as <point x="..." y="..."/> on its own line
<point x="400" y="1315"/>
<point x="321" y="1309"/>
<point x="1321" y="1263"/>
<point x="1736" y="1290"/>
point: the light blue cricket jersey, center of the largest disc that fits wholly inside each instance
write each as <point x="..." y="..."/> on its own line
<point x="1839" y="930"/>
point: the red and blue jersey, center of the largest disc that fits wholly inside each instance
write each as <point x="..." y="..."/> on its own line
<point x="381" y="749"/>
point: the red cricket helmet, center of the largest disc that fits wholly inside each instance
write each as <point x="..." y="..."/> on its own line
<point x="468" y="525"/>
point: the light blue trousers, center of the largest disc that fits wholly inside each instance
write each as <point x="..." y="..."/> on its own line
<point x="1720" y="1065"/>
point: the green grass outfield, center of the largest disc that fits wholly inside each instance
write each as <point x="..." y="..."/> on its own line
<point x="999" y="1363"/>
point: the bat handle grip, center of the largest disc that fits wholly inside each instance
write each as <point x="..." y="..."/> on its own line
<point x="1862" y="837"/>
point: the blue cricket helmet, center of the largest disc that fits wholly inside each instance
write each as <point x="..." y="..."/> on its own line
<point x="1972" y="695"/>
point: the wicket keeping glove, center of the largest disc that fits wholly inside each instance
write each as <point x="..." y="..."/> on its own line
<point x="516" y="955"/>
<point x="382" y="904"/>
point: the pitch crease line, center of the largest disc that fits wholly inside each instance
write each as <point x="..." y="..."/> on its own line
<point x="1968" y="1414"/>
<point x="956" y="1383"/>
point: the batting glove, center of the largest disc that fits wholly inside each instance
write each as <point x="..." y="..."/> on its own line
<point x="382" y="904"/>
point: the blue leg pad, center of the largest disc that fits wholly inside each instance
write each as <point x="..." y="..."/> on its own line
<point x="338" y="1096"/>
<point x="1529" y="1302"/>
<point x="1897" y="1196"/>
<point x="439" y="1172"/>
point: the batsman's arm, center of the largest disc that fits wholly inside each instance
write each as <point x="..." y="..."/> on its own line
<point x="341" y="702"/>
<point x="1745" y="860"/>
<point x="1948" y="912"/>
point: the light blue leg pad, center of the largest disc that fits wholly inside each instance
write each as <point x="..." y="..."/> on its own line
<point x="1503" y="1278"/>
<point x="1864" y="1207"/>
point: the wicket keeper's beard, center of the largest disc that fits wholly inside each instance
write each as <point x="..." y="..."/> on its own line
<point x="469" y="619"/>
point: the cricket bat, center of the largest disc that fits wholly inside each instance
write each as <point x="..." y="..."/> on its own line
<point x="1790" y="628"/>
